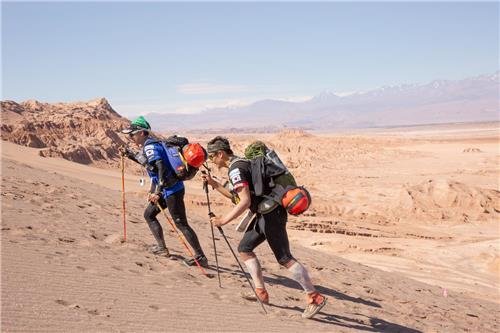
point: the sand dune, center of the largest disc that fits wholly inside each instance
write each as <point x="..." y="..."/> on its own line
<point x="383" y="268"/>
<point x="447" y="200"/>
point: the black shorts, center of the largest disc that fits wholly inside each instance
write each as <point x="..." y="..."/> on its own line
<point x="270" y="227"/>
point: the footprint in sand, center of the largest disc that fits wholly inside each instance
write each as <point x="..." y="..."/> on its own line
<point x="156" y="283"/>
<point x="35" y="200"/>
<point x="67" y="239"/>
<point x="67" y="304"/>
<point x="74" y="306"/>
<point x="84" y="243"/>
<point x="279" y="314"/>
<point x="218" y="296"/>
<point x="18" y="232"/>
<point x="56" y="214"/>
<point x="155" y="267"/>
<point x="62" y="302"/>
<point x="47" y="206"/>
<point x="113" y="239"/>
<point x="196" y="282"/>
<point x="93" y="312"/>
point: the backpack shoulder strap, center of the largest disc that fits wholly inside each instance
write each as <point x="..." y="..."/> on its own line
<point x="236" y="159"/>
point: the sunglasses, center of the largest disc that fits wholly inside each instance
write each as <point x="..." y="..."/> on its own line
<point x="131" y="134"/>
<point x="211" y="156"/>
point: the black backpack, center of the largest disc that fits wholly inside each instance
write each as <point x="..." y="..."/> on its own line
<point x="272" y="181"/>
<point x="177" y="141"/>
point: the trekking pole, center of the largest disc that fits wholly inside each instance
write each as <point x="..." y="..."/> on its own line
<point x="241" y="267"/>
<point x="123" y="198"/>
<point x="182" y="240"/>
<point x="205" y="187"/>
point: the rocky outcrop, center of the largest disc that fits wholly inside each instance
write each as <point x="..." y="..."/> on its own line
<point x="441" y="199"/>
<point x="83" y="132"/>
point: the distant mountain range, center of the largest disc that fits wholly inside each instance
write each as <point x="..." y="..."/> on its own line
<point x="440" y="101"/>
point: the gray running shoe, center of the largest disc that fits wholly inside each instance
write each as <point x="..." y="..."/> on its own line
<point x="202" y="260"/>
<point x="160" y="250"/>
<point x="315" y="304"/>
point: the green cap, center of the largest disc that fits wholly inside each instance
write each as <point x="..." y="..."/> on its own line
<point x="137" y="125"/>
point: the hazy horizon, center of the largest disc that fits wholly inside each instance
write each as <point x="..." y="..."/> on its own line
<point x="167" y="57"/>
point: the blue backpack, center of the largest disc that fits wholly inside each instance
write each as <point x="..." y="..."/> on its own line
<point x="173" y="148"/>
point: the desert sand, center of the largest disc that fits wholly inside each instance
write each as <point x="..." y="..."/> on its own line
<point x="402" y="236"/>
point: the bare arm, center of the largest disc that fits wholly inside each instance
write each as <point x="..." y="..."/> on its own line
<point x="243" y="205"/>
<point x="217" y="186"/>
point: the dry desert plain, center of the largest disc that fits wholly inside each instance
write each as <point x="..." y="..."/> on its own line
<point x="402" y="236"/>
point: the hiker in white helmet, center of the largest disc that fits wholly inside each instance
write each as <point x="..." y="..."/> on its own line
<point x="270" y="226"/>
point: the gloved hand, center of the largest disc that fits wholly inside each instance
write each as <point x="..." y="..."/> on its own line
<point x="126" y="151"/>
<point x="122" y="150"/>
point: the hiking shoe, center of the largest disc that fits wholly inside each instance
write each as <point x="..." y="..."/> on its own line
<point x="315" y="302"/>
<point x="202" y="260"/>
<point x="261" y="293"/>
<point x="160" y="250"/>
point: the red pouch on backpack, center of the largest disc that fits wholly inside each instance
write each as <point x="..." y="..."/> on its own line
<point x="296" y="201"/>
<point x="194" y="154"/>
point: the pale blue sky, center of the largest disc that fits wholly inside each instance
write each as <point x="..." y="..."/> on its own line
<point x="184" y="57"/>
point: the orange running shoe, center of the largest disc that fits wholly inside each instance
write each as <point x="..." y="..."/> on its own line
<point x="261" y="293"/>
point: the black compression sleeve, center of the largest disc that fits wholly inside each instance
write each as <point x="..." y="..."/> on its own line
<point x="162" y="181"/>
<point x="130" y="154"/>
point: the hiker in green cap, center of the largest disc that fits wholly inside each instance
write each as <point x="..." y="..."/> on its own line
<point x="270" y="226"/>
<point x="166" y="189"/>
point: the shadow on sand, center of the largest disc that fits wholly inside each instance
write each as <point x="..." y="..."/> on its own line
<point x="375" y="325"/>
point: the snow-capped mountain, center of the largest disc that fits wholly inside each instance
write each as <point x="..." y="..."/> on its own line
<point x="440" y="101"/>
